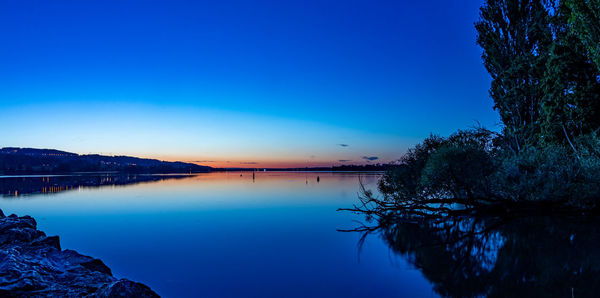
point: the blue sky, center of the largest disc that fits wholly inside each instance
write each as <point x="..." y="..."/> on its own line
<point x="271" y="83"/>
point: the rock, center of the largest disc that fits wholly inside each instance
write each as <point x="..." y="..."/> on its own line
<point x="33" y="265"/>
<point x="125" y="288"/>
<point x="97" y="265"/>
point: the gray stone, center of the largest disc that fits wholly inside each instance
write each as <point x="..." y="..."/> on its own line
<point x="33" y="265"/>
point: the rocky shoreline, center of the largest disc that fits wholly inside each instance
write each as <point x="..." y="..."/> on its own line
<point x="33" y="265"/>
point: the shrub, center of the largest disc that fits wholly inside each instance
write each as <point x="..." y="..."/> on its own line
<point x="476" y="167"/>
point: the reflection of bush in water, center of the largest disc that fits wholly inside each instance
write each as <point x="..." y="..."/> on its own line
<point x="526" y="256"/>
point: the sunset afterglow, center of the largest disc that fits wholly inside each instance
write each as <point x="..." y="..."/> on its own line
<point x="271" y="84"/>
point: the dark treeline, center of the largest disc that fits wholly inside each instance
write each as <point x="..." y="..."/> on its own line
<point x="15" y="161"/>
<point x="358" y="168"/>
<point x="342" y="168"/>
<point x="543" y="58"/>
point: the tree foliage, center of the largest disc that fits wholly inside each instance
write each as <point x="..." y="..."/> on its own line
<point x="516" y="40"/>
<point x="540" y="55"/>
<point x="585" y="22"/>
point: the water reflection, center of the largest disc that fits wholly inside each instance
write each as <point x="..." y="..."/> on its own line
<point x="222" y="235"/>
<point x="495" y="257"/>
<point x="12" y="186"/>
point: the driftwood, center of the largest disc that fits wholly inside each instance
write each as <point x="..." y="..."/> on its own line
<point x="443" y="207"/>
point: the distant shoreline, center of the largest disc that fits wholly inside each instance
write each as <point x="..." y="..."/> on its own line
<point x="40" y="175"/>
<point x="113" y="173"/>
<point x="29" y="161"/>
<point x="21" y="161"/>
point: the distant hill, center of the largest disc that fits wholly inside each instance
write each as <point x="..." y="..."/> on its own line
<point x="49" y="161"/>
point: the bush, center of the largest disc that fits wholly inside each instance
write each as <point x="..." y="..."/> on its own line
<point x="456" y="167"/>
<point x="457" y="171"/>
<point x="553" y="173"/>
<point x="403" y="180"/>
<point x="475" y="167"/>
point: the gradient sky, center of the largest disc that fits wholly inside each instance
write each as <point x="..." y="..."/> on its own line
<point x="240" y="83"/>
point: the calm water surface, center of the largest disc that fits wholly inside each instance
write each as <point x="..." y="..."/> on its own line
<point x="221" y="234"/>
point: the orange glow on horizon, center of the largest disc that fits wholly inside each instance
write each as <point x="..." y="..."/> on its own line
<point x="267" y="164"/>
<point x="258" y="163"/>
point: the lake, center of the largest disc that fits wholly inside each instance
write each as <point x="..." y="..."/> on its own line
<point x="221" y="234"/>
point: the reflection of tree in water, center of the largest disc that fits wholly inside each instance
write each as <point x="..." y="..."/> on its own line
<point x="467" y="256"/>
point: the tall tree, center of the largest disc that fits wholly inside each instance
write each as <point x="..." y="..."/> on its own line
<point x="571" y="104"/>
<point x="516" y="37"/>
<point x="540" y="54"/>
<point x="585" y="20"/>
